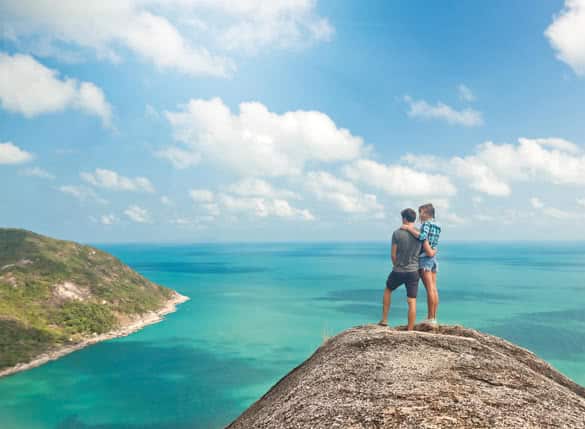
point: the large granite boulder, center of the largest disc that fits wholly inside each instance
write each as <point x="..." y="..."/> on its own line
<point x="376" y="377"/>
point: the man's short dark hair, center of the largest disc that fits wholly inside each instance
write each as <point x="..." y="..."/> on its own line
<point x="408" y="214"/>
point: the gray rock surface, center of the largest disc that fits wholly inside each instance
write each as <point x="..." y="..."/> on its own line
<point x="450" y="377"/>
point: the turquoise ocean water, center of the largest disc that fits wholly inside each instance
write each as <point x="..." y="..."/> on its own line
<point x="258" y="310"/>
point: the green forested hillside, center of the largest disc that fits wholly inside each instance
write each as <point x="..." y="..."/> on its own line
<point x="55" y="292"/>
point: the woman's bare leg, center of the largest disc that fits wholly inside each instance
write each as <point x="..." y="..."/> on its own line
<point x="436" y="295"/>
<point x="427" y="280"/>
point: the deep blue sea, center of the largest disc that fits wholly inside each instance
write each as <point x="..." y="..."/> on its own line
<point x="258" y="310"/>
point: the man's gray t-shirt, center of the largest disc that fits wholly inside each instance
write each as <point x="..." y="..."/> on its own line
<point x="407" y="251"/>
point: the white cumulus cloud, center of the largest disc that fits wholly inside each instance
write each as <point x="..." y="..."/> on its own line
<point x="566" y="34"/>
<point x="493" y="167"/>
<point x="263" y="207"/>
<point x="29" y="88"/>
<point x="343" y="194"/>
<point x="257" y="142"/>
<point x="551" y="160"/>
<point x="252" y="187"/>
<point x="399" y="180"/>
<point x="12" y="154"/>
<point x="424" y="162"/>
<point x="109" y="179"/>
<point x="105" y="26"/>
<point x="422" y="109"/>
<point x="254" y="199"/>
<point x="480" y="176"/>
<point x="195" y="37"/>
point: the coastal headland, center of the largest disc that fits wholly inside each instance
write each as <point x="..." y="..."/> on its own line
<point x="58" y="296"/>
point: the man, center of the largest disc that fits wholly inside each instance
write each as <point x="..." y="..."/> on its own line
<point x="405" y="253"/>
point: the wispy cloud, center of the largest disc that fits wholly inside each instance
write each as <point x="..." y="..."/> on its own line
<point x="422" y="109"/>
<point x="109" y="179"/>
<point x="138" y="214"/>
<point x="82" y="193"/>
<point x="201" y="195"/>
<point x="108" y="219"/>
<point x="536" y="203"/>
<point x="37" y="172"/>
<point x="166" y="201"/>
<point x="180" y="158"/>
<point x="465" y="93"/>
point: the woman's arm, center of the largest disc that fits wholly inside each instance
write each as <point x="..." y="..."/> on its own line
<point x="412" y="229"/>
<point x="428" y="249"/>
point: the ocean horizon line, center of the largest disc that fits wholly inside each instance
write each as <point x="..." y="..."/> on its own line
<point x="253" y="242"/>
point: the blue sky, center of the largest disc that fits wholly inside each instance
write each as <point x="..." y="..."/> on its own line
<point x="199" y="120"/>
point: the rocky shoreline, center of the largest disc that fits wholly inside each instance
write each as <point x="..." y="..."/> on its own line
<point x="135" y="325"/>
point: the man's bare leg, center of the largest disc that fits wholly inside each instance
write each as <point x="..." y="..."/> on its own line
<point x="427" y="280"/>
<point x="411" y="312"/>
<point x="386" y="306"/>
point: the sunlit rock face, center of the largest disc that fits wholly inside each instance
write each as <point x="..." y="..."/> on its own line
<point x="376" y="377"/>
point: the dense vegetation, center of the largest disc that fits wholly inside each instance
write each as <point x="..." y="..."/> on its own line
<point x="55" y="292"/>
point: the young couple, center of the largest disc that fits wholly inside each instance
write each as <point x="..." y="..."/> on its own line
<point x="413" y="257"/>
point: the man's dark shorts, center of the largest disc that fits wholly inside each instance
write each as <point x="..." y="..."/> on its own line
<point x="409" y="278"/>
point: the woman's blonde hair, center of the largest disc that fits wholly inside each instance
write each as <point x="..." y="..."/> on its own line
<point x="427" y="209"/>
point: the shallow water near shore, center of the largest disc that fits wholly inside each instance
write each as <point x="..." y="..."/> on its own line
<point x="258" y="310"/>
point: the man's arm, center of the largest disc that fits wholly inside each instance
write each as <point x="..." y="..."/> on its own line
<point x="393" y="253"/>
<point x="428" y="249"/>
